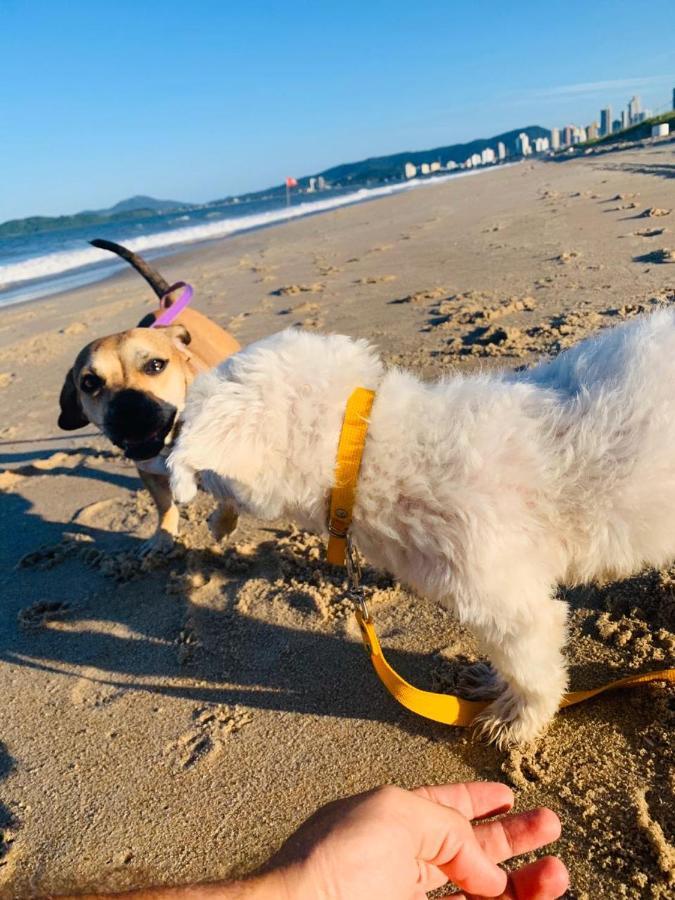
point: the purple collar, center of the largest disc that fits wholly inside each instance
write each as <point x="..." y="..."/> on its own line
<point x="171" y="311"/>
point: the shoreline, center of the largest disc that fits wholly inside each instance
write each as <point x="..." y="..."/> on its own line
<point x="292" y="213"/>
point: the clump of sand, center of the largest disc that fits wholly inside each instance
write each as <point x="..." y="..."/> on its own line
<point x="654" y="212"/>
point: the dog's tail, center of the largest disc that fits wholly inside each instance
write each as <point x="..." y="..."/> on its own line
<point x="154" y="279"/>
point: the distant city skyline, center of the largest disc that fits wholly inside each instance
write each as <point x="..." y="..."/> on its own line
<point x="220" y="99"/>
<point x="568" y="136"/>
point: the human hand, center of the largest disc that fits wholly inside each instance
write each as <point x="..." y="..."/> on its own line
<point x="397" y="845"/>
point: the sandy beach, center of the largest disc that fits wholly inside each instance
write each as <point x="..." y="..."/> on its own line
<point x="174" y="719"/>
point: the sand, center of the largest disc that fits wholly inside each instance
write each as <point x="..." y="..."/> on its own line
<point x="174" y="719"/>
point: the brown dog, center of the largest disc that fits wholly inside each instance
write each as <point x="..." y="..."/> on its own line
<point x="132" y="386"/>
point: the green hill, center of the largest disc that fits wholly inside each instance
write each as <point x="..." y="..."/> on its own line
<point x="134" y="208"/>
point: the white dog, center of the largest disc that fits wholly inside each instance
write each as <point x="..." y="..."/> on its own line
<point x="482" y="491"/>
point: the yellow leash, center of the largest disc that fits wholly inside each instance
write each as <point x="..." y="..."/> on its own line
<point x="445" y="708"/>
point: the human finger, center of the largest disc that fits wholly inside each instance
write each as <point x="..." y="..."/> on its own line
<point x="473" y="799"/>
<point x="545" y="879"/>
<point x="518" y="833"/>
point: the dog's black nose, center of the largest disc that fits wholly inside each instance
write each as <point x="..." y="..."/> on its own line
<point x="132" y="415"/>
<point x="138" y="423"/>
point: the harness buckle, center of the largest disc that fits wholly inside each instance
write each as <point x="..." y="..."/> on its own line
<point x="355" y="590"/>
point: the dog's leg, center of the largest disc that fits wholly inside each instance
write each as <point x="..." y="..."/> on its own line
<point x="162" y="540"/>
<point x="527" y="656"/>
<point x="224" y="519"/>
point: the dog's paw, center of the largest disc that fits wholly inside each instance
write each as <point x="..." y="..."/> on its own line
<point x="513" y="720"/>
<point x="479" y="682"/>
<point x="183" y="480"/>
<point x="161" y="543"/>
<point x="223" y="520"/>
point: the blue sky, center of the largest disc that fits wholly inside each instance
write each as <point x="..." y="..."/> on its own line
<point x="197" y="100"/>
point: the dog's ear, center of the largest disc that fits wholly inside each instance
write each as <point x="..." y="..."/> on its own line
<point x="71" y="416"/>
<point x="178" y="333"/>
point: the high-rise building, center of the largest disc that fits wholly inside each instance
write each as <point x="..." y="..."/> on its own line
<point x="425" y="169"/>
<point x="321" y="183"/>
<point x="451" y="164"/>
<point x="523" y="144"/>
<point x="501" y="150"/>
<point x="476" y="159"/>
<point x="555" y="138"/>
<point x="625" y="119"/>
<point x="592" y="131"/>
<point x="633" y="109"/>
<point x="673" y="98"/>
<point x="616" y="125"/>
<point x="410" y="170"/>
<point x="488" y="156"/>
<point x="435" y="166"/>
<point x="606" y="121"/>
<point x="568" y="135"/>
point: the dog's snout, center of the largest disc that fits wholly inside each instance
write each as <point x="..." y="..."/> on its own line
<point x="138" y="422"/>
<point x="132" y="413"/>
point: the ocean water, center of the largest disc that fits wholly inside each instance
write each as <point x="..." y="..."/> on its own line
<point x="40" y="265"/>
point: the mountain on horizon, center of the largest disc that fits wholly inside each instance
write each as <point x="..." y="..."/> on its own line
<point x="133" y="207"/>
<point x="140" y="201"/>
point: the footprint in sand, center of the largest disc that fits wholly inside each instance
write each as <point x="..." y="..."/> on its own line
<point x="6" y="378"/>
<point x="649" y="232"/>
<point x="381" y="248"/>
<point x="654" y="212"/>
<point x="300" y="308"/>
<point x="618" y="197"/>
<point x="203" y="741"/>
<point x="290" y="289"/>
<point x="90" y="689"/>
<point x="420" y="298"/>
<point x="567" y="256"/>
<point x="74" y="328"/>
<point x="41" y="613"/>
<point x="237" y="321"/>
<point x="664" y="255"/>
<point x="375" y="279"/>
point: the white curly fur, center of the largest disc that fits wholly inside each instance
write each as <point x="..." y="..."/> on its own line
<point x="482" y="491"/>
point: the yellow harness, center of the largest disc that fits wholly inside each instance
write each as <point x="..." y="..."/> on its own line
<point x="444" y="708"/>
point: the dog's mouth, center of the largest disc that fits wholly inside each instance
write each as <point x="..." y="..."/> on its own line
<point x="150" y="445"/>
<point x="140" y="425"/>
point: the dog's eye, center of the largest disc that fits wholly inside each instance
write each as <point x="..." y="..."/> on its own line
<point x="90" y="383"/>
<point x="155" y="366"/>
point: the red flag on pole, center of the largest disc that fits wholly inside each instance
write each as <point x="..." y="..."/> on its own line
<point x="291" y="182"/>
